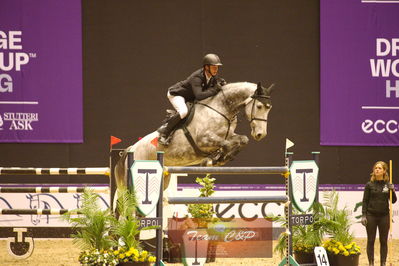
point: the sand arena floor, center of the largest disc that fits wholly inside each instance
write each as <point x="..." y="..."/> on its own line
<point x="63" y="252"/>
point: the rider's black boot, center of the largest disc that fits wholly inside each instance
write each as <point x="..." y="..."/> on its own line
<point x="167" y="128"/>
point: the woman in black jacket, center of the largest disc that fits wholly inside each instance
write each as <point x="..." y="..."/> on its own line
<point x="375" y="210"/>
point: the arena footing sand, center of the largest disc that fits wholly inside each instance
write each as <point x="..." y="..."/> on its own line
<point x="64" y="253"/>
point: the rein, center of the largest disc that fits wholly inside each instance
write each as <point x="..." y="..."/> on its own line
<point x="190" y="139"/>
<point x="252" y="111"/>
<point x="223" y="115"/>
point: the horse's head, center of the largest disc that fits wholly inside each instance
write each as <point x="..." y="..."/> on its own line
<point x="257" y="109"/>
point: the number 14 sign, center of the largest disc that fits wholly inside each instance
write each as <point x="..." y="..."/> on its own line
<point x="321" y="256"/>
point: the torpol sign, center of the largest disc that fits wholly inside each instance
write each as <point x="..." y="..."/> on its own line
<point x="304" y="183"/>
<point x="146" y="177"/>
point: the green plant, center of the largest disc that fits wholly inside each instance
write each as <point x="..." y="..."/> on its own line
<point x="329" y="221"/>
<point x="92" y="225"/>
<point x="341" y="238"/>
<point x="104" y="238"/>
<point x="304" y="237"/>
<point x="203" y="211"/>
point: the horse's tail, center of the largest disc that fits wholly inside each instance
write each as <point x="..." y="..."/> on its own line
<point x="143" y="146"/>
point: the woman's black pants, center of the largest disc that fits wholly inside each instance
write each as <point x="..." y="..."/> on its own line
<point x="382" y="223"/>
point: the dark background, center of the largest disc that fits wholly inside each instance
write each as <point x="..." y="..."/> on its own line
<point x="134" y="50"/>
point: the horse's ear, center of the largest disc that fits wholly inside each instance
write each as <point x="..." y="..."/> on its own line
<point x="259" y="89"/>
<point x="270" y="89"/>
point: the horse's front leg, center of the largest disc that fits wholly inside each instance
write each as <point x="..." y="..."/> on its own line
<point x="233" y="146"/>
<point x="227" y="148"/>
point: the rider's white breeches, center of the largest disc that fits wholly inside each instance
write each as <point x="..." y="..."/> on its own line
<point x="179" y="103"/>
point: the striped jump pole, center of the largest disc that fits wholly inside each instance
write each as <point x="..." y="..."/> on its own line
<point x="226" y="170"/>
<point x="36" y="211"/>
<point x="53" y="189"/>
<point x="54" y="171"/>
<point x="221" y="200"/>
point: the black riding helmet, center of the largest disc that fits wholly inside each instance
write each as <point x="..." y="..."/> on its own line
<point x="211" y="59"/>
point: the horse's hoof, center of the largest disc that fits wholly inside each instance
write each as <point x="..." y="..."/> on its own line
<point x="207" y="162"/>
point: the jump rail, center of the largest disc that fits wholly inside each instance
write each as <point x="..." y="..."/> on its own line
<point x="52" y="189"/>
<point x="36" y="211"/>
<point x="54" y="171"/>
<point x="220" y="200"/>
<point x="226" y="170"/>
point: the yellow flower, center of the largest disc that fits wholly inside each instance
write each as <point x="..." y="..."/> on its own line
<point x="144" y="253"/>
<point x="151" y="259"/>
<point x="121" y="256"/>
<point x="141" y="259"/>
<point x="346" y="253"/>
<point x="348" y="246"/>
<point x="335" y="250"/>
<point x="116" y="252"/>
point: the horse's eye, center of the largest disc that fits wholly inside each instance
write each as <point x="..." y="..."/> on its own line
<point x="259" y="106"/>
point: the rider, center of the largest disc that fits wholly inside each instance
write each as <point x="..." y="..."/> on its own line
<point x="201" y="84"/>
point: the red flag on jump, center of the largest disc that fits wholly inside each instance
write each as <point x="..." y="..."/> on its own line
<point x="155" y="142"/>
<point x="114" y="140"/>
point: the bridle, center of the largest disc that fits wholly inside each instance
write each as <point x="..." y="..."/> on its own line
<point x="264" y="99"/>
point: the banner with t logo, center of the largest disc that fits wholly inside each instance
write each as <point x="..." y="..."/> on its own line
<point x="304" y="183"/>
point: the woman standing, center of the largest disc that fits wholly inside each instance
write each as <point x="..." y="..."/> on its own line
<point x="375" y="210"/>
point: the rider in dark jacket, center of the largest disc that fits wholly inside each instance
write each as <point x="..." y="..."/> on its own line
<point x="200" y="85"/>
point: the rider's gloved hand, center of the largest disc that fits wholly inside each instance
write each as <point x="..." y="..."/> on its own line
<point x="364" y="220"/>
<point x="217" y="88"/>
<point x="221" y="81"/>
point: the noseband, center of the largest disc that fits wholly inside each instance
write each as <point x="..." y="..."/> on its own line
<point x="261" y="98"/>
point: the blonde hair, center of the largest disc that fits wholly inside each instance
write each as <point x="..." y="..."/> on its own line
<point x="385" y="167"/>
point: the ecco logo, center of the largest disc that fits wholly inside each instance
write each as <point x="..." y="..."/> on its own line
<point x="380" y="126"/>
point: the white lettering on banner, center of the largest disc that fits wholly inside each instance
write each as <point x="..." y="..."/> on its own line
<point x="388" y="67"/>
<point x="388" y="48"/>
<point x="12" y="42"/>
<point x="10" y="58"/>
<point x="21" y="121"/>
<point x="14" y="60"/>
<point x="380" y="126"/>
<point x="383" y="68"/>
<point x="390" y="89"/>
<point x="5" y="83"/>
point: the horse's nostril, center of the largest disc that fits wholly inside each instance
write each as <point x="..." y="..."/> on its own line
<point x="258" y="135"/>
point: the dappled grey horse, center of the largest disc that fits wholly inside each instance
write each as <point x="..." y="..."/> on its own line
<point x="212" y="130"/>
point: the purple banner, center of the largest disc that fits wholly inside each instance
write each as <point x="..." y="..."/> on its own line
<point x="359" y="51"/>
<point x="41" y="71"/>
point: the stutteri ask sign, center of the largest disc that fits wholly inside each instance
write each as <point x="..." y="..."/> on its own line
<point x="41" y="95"/>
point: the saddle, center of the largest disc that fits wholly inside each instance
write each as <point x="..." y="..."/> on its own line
<point x="185" y="121"/>
<point x="183" y="124"/>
